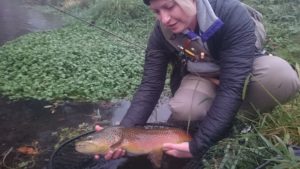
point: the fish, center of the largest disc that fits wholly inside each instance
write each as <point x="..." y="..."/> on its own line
<point x="135" y="141"/>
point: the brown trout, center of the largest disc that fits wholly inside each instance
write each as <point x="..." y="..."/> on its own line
<point x="136" y="141"/>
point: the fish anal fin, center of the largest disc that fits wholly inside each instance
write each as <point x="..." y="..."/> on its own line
<point x="155" y="157"/>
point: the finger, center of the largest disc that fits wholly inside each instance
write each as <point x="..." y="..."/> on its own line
<point x="117" y="154"/>
<point x="179" y="154"/>
<point x="167" y="146"/>
<point x="123" y="152"/>
<point x="108" y="155"/>
<point x="181" y="147"/>
<point x="98" y="127"/>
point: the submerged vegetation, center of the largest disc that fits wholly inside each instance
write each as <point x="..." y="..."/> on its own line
<point x="82" y="62"/>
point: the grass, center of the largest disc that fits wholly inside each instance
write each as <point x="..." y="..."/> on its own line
<point x="282" y="21"/>
<point x="266" y="139"/>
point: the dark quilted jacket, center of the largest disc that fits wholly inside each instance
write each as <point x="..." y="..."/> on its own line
<point x="233" y="46"/>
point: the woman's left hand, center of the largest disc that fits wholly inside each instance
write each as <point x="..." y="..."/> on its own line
<point x="178" y="150"/>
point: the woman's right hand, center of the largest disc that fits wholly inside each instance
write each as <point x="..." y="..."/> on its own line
<point x="111" y="154"/>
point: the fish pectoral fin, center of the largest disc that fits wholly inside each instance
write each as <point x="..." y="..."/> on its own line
<point x="117" y="144"/>
<point x="155" y="157"/>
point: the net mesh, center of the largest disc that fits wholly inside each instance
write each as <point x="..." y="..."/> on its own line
<point x="66" y="157"/>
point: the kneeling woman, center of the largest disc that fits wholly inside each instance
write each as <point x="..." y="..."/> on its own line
<point x="213" y="47"/>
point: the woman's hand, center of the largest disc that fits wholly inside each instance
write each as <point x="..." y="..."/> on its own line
<point x="178" y="150"/>
<point x="111" y="154"/>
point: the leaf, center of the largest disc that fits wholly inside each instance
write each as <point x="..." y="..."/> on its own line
<point x="246" y="86"/>
<point x="28" y="150"/>
<point x="269" y="144"/>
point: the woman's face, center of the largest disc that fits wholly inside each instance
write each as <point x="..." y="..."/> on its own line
<point x="172" y="15"/>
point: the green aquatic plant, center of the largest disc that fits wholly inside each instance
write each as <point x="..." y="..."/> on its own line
<point x="80" y="61"/>
<point x="76" y="62"/>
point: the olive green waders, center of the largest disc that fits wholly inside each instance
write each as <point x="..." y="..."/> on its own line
<point x="272" y="81"/>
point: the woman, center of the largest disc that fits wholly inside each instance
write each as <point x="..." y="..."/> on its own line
<point x="213" y="49"/>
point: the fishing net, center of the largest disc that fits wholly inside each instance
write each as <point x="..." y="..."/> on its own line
<point x="66" y="157"/>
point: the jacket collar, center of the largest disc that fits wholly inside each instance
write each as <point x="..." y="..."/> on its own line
<point x="208" y="22"/>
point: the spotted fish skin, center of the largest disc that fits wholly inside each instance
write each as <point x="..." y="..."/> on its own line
<point x="135" y="141"/>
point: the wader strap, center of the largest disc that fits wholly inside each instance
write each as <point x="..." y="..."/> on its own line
<point x="193" y="53"/>
<point x="260" y="31"/>
<point x="194" y="49"/>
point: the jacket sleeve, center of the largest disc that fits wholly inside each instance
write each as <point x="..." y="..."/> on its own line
<point x="236" y="59"/>
<point x="148" y="93"/>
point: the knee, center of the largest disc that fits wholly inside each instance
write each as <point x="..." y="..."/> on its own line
<point x="190" y="109"/>
<point x="273" y="81"/>
<point x="276" y="75"/>
<point x="193" y="99"/>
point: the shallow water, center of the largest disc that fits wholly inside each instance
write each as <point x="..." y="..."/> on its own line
<point x="161" y="112"/>
<point x="29" y="122"/>
<point x="18" y="18"/>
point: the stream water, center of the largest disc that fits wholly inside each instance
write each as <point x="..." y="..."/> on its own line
<point x="29" y="123"/>
<point x="18" y="18"/>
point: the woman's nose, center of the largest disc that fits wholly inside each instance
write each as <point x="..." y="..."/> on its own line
<point x="165" y="17"/>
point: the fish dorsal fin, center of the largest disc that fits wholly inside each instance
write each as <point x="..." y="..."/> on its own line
<point x="155" y="157"/>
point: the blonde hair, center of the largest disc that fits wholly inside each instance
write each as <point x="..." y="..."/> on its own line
<point x="188" y="6"/>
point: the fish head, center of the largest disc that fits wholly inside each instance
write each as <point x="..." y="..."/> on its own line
<point x="99" y="142"/>
<point x="91" y="147"/>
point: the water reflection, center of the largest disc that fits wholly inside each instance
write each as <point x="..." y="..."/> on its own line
<point x="18" y="18"/>
<point x="160" y="114"/>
